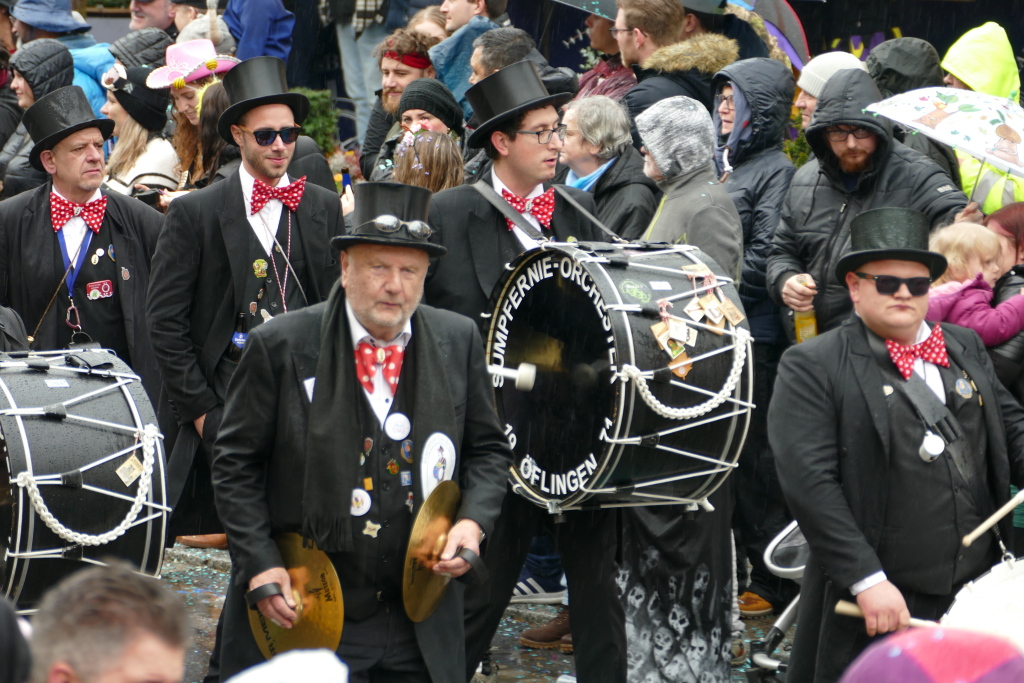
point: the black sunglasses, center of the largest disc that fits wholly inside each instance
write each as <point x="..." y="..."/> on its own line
<point x="265" y="137"/>
<point x="890" y="284"/>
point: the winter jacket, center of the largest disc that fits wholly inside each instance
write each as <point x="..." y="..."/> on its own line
<point x="759" y="173"/>
<point x="144" y="47"/>
<point x="626" y="198"/>
<point x="10" y="113"/>
<point x="451" y="56"/>
<point x="1008" y="357"/>
<point x="697" y="210"/>
<point x="815" y="229"/>
<point x="904" y="64"/>
<point x="92" y="60"/>
<point x="609" y="77"/>
<point x="983" y="59"/>
<point x="377" y="131"/>
<point x="750" y="43"/>
<point x="683" y="68"/>
<point x="969" y="304"/>
<point x="154" y="169"/>
<point x="45" y="65"/>
<point x="260" y="27"/>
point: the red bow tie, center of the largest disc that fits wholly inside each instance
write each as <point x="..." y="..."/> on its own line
<point x="541" y="207"/>
<point x="388" y="358"/>
<point x="61" y="211"/>
<point x="290" y="195"/>
<point x="932" y="349"/>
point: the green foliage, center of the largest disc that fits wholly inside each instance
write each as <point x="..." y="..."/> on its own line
<point x="797" y="149"/>
<point x="322" y="122"/>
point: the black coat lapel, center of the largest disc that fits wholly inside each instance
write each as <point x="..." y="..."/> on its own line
<point x="235" y="230"/>
<point x="869" y="377"/>
<point x="311" y="223"/>
<point x="564" y="221"/>
<point x="483" y="241"/>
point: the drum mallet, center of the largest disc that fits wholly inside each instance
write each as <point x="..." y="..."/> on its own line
<point x="991" y="521"/>
<point x="849" y="609"/>
<point x="525" y="375"/>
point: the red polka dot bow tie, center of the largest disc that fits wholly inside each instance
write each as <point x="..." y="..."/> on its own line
<point x="61" y="211"/>
<point x="541" y="207"/>
<point x="388" y="358"/>
<point x="932" y="349"/>
<point x="290" y="195"/>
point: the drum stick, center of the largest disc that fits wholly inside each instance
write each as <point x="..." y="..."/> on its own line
<point x="849" y="609"/>
<point x="991" y="521"/>
<point x="525" y="375"/>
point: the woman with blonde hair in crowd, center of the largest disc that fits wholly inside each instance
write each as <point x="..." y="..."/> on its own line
<point x="142" y="156"/>
<point x="428" y="159"/>
<point x="429" y="21"/>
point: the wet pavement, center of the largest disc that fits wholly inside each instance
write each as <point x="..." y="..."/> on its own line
<point x="201" y="577"/>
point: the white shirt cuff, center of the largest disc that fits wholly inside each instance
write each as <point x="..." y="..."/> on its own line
<point x="868" y="582"/>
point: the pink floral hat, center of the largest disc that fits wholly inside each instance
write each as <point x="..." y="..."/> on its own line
<point x="188" y="62"/>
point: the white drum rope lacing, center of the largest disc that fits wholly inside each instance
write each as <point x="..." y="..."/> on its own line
<point x="149" y="437"/>
<point x="739" y="356"/>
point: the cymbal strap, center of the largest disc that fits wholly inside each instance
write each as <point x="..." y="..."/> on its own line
<point x="260" y="592"/>
<point x="477" y="573"/>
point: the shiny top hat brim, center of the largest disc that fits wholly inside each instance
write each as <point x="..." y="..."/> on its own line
<point x="255" y="83"/>
<point x="890" y="234"/>
<point x="342" y="242"/>
<point x="506" y="94"/>
<point x="407" y="203"/>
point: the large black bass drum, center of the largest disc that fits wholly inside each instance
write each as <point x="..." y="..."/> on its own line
<point x="623" y="374"/>
<point x="81" y="470"/>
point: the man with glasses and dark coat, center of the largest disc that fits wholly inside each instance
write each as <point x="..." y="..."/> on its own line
<point x="231" y="256"/>
<point x="484" y="226"/>
<point x="369" y="398"/>
<point x="893" y="439"/>
<point x="858" y="166"/>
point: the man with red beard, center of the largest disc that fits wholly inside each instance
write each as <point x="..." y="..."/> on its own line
<point x="402" y="58"/>
<point x="858" y="166"/>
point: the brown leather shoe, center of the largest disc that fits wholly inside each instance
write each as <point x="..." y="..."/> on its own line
<point x="215" y="541"/>
<point x="566" y="644"/>
<point x="549" y="636"/>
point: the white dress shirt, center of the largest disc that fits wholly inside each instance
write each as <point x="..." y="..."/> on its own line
<point x="381" y="398"/>
<point x="264" y="223"/>
<point x="74" y="230"/>
<point x="929" y="372"/>
<point x="524" y="239"/>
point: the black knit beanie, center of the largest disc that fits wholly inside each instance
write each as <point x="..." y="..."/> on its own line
<point x="145" y="105"/>
<point x="433" y="97"/>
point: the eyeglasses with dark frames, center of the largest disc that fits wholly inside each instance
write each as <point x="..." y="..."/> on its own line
<point x="887" y="285"/>
<point x="614" y="31"/>
<point x="730" y="102"/>
<point x="840" y="135"/>
<point x="265" y="136"/>
<point x="544" y="136"/>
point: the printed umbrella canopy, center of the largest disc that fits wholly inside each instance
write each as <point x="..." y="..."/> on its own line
<point x="983" y="126"/>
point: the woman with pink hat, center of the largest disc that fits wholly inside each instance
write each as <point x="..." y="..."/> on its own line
<point x="191" y="66"/>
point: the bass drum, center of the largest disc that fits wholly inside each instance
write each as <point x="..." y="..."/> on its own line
<point x="643" y="374"/>
<point x="81" y="470"/>
<point x="993" y="603"/>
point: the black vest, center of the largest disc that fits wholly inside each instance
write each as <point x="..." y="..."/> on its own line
<point x="930" y="507"/>
<point x="96" y="293"/>
<point x="372" y="573"/>
<point x="268" y="272"/>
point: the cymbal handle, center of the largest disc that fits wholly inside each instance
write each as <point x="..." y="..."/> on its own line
<point x="439" y="545"/>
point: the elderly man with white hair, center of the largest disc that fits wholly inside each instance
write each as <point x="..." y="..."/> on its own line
<point x="599" y="158"/>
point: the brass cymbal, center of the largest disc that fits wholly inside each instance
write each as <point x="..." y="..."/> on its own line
<point x="422" y="589"/>
<point x="317" y="594"/>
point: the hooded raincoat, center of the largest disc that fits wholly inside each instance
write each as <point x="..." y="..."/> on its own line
<point x="822" y="201"/>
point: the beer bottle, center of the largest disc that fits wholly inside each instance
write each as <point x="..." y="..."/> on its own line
<point x="805" y="322"/>
<point x="238" y="338"/>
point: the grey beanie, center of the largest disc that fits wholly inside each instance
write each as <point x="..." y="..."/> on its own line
<point x="817" y="71"/>
<point x="679" y="134"/>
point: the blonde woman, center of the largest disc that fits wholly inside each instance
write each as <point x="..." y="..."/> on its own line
<point x="142" y="158"/>
<point x="429" y="159"/>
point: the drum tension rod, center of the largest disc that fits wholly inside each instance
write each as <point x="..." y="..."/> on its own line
<point x="72" y="479"/>
<point x="650" y="441"/>
<point x="74" y="552"/>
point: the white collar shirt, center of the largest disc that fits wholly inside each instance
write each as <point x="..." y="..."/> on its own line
<point x="381" y="397"/>
<point x="74" y="230"/>
<point x="264" y="223"/>
<point x="524" y="239"/>
<point x="929" y="372"/>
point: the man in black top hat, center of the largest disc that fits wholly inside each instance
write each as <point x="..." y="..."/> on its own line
<point x="893" y="439"/>
<point x="523" y="136"/>
<point x="74" y="258"/>
<point x="229" y="257"/>
<point x="372" y="398"/>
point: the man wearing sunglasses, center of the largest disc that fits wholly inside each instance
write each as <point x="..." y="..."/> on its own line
<point x="893" y="439"/>
<point x="230" y="256"/>
<point x="858" y="166"/>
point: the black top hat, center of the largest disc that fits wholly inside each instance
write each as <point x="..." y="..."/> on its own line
<point x="254" y="83"/>
<point x="390" y="214"/>
<point x="890" y="234"/>
<point x="507" y="93"/>
<point x="57" y="115"/>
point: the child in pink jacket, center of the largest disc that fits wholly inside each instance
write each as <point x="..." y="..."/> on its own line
<point x="963" y="295"/>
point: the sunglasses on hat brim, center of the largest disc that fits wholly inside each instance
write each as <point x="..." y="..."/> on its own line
<point x="389" y="224"/>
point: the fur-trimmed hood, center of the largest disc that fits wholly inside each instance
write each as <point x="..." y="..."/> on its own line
<point x="707" y="53"/>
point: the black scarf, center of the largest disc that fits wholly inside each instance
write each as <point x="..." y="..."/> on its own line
<point x="334" y="435"/>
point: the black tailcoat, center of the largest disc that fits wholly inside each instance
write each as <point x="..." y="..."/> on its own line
<point x="829" y="427"/>
<point x="199" y="271"/>
<point x="475" y="233"/>
<point x="259" y="469"/>
<point x="29" y="273"/>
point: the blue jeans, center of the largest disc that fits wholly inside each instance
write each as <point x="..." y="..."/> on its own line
<point x="359" y="69"/>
